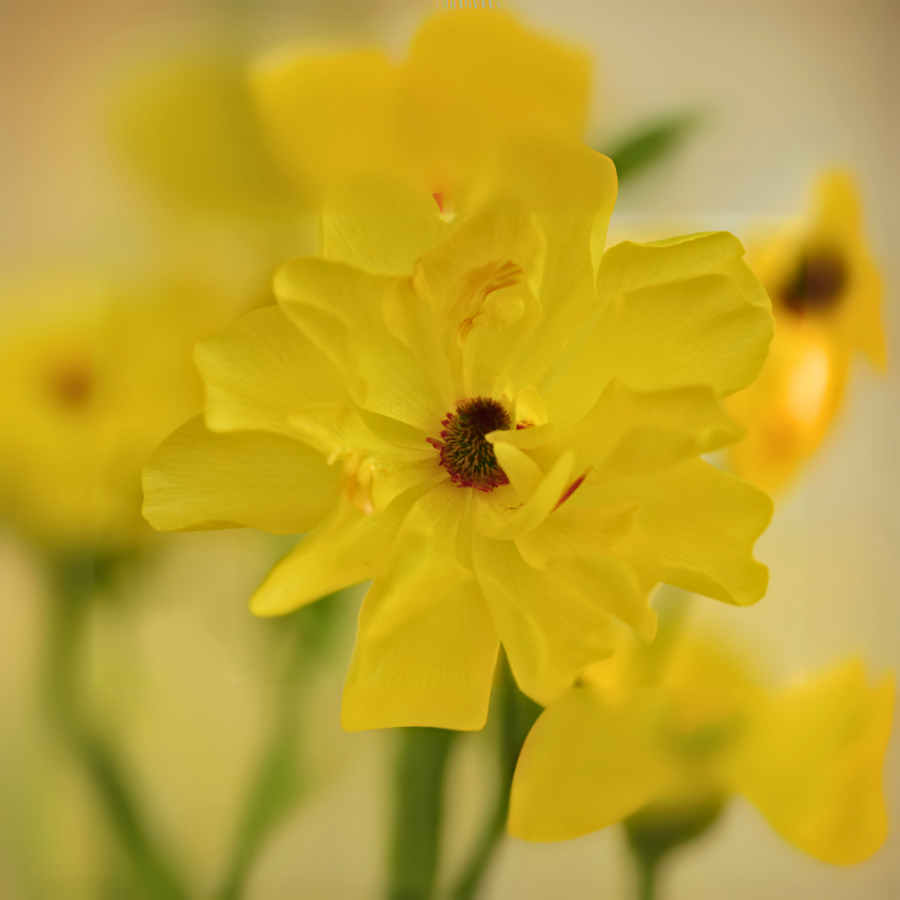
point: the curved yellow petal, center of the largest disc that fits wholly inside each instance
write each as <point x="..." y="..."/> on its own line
<point x="503" y="515"/>
<point x="197" y="479"/>
<point x="341" y="310"/>
<point x="379" y="225"/>
<point x="348" y="547"/>
<point x="580" y="547"/>
<point x="426" y="647"/>
<point x="813" y="764"/>
<point x="681" y="329"/>
<point x="584" y="766"/>
<point x="472" y="80"/>
<point x="632" y="432"/>
<point x="261" y="369"/>
<point x="700" y="524"/>
<point x="327" y="117"/>
<point x="549" y="632"/>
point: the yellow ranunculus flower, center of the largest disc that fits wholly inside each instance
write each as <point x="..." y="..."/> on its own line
<point x="681" y="734"/>
<point x="92" y="380"/>
<point x="472" y="80"/>
<point x="826" y="296"/>
<point x="499" y="427"/>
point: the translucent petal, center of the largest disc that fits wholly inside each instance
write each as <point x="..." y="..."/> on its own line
<point x="197" y="479"/>
<point x="549" y="632"/>
<point x="348" y="547"/>
<point x="426" y="646"/>
<point x="699" y="523"/>
<point x="340" y="309"/>
<point x="813" y="764"/>
<point x="584" y="766"/>
<point x="261" y="369"/>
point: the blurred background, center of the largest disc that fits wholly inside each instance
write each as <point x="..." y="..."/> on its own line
<point x="116" y="255"/>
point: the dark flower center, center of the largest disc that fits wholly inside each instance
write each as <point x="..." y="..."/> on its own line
<point x="817" y="285"/>
<point x="465" y="452"/>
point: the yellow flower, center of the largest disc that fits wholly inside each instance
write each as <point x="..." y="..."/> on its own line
<point x="473" y="80"/>
<point x="667" y="737"/>
<point x="92" y="381"/>
<point x="826" y="296"/>
<point x="497" y="426"/>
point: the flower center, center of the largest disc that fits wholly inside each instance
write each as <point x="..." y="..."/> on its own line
<point x="817" y="284"/>
<point x="465" y="452"/>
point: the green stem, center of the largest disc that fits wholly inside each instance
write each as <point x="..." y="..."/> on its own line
<point x="647" y="870"/>
<point x="418" y="792"/>
<point x="278" y="782"/>
<point x="74" y="580"/>
<point x="517" y="714"/>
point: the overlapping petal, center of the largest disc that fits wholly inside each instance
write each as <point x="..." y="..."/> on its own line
<point x="197" y="479"/>
<point x="426" y="646"/>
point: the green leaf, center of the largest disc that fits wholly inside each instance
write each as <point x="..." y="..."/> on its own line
<point x="651" y="142"/>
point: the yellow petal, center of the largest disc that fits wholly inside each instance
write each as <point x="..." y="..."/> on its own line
<point x="813" y="764"/>
<point x="260" y="370"/>
<point x="579" y="547"/>
<point x="701" y="329"/>
<point x="584" y="766"/>
<point x="340" y="309"/>
<point x="630" y="432"/>
<point x="549" y="632"/>
<point x="504" y="515"/>
<point x="700" y="524"/>
<point x="327" y="117"/>
<point x="473" y="80"/>
<point x="348" y="547"/>
<point x="426" y="647"/>
<point x="197" y="479"/>
<point x="380" y="226"/>
<point x="571" y="191"/>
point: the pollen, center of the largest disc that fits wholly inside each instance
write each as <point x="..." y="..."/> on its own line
<point x="465" y="451"/>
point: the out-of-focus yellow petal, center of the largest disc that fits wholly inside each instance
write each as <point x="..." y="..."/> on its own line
<point x="473" y="80"/>
<point x="550" y="633"/>
<point x="678" y="326"/>
<point x="584" y="766"/>
<point x="789" y="409"/>
<point x="700" y="523"/>
<point x="188" y="127"/>
<point x="813" y="764"/>
<point x="197" y="479"/>
<point x="426" y="646"/>
<point x="328" y="117"/>
<point x="341" y="310"/>
<point x="260" y="370"/>
<point x="826" y="295"/>
<point x="348" y="547"/>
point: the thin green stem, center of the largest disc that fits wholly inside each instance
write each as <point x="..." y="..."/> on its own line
<point x="517" y="713"/>
<point x="418" y="793"/>
<point x="647" y="870"/>
<point x="69" y="609"/>
<point x="278" y="782"/>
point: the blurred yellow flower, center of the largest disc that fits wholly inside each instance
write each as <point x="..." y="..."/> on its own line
<point x="826" y="296"/>
<point x="673" y="737"/>
<point x="185" y="124"/>
<point x="92" y="381"/>
<point x="473" y="80"/>
<point x="499" y="427"/>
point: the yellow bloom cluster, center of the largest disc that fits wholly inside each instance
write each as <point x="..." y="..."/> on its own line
<point x="488" y="415"/>
<point x="666" y="734"/>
